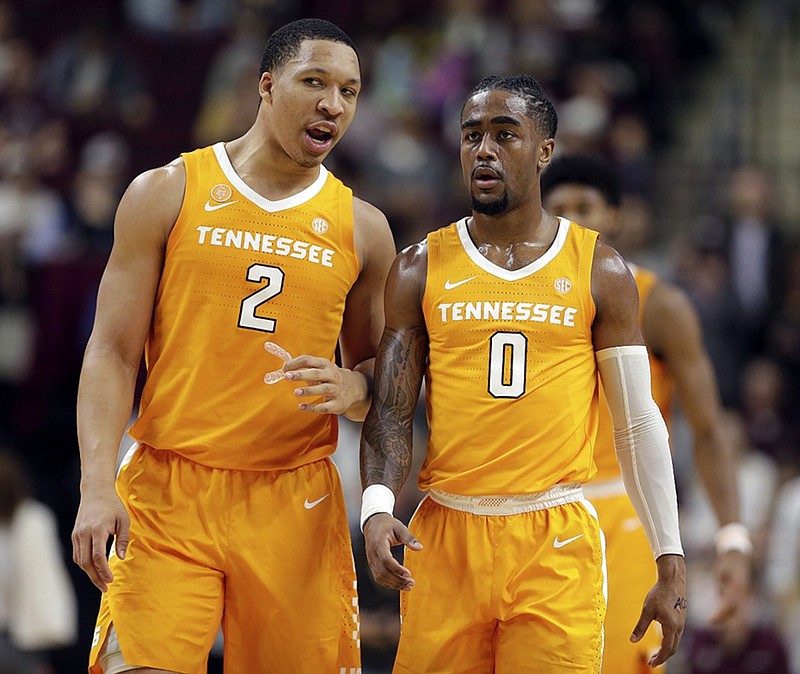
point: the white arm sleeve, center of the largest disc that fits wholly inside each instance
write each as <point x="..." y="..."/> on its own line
<point x="641" y="442"/>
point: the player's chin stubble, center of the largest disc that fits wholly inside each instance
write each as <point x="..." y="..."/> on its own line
<point x="495" y="207"/>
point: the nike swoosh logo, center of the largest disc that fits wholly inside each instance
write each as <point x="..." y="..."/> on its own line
<point x="449" y="286"/>
<point x="313" y="504"/>
<point x="560" y="544"/>
<point x="215" y="207"/>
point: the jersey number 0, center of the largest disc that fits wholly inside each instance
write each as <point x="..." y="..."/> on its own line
<point x="508" y="355"/>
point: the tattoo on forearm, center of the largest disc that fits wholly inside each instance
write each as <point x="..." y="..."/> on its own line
<point x="680" y="603"/>
<point x="386" y="441"/>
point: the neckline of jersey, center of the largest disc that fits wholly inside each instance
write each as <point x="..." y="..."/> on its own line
<point x="262" y="202"/>
<point x="507" y="274"/>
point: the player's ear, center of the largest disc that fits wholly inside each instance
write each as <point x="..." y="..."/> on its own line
<point x="265" y="85"/>
<point x="545" y="150"/>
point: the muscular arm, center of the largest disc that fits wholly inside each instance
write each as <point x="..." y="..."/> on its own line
<point x="386" y="450"/>
<point x="640" y="441"/>
<point x="363" y="315"/>
<point x="386" y="439"/>
<point x="145" y="215"/>
<point x="672" y="331"/>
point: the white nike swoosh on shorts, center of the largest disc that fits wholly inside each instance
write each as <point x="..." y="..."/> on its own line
<point x="560" y="544"/>
<point x="308" y="505"/>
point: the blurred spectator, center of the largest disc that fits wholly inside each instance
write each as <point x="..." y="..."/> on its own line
<point x="170" y="18"/>
<point x="25" y="115"/>
<point x="96" y="189"/>
<point x="755" y="251"/>
<point x="783" y="566"/>
<point x="770" y="424"/>
<point x="701" y="269"/>
<point x="93" y="79"/>
<point x="224" y="112"/>
<point x="32" y="220"/>
<point x="585" y="115"/>
<point x="757" y="477"/>
<point x="783" y="337"/>
<point x="37" y="602"/>
<point x="631" y="150"/>
<point x="742" y="644"/>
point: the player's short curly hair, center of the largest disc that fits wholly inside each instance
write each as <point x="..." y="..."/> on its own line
<point x="583" y="169"/>
<point x="285" y="42"/>
<point x="538" y="106"/>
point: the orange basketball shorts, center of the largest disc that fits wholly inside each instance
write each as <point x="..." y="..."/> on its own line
<point x="266" y="555"/>
<point x="631" y="574"/>
<point x="504" y="594"/>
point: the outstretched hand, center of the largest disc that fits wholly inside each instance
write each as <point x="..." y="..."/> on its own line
<point x="99" y="516"/>
<point x="666" y="604"/>
<point x="381" y="532"/>
<point x="339" y="388"/>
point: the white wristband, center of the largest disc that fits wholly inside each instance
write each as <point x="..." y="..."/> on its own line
<point x="733" y="536"/>
<point x="377" y="498"/>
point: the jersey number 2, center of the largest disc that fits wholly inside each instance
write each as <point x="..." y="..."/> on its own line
<point x="508" y="355"/>
<point x="247" y="313"/>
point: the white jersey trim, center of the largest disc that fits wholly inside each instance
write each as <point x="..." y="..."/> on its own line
<point x="262" y="202"/>
<point x="506" y="274"/>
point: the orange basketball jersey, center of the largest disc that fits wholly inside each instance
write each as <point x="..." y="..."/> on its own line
<point x="511" y="382"/>
<point x="241" y="270"/>
<point x="662" y="386"/>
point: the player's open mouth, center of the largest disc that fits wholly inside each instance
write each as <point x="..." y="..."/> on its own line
<point x="319" y="137"/>
<point x="485" y="178"/>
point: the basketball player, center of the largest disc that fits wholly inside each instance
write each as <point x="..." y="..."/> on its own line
<point x="239" y="267"/>
<point x="509" y="314"/>
<point x="585" y="190"/>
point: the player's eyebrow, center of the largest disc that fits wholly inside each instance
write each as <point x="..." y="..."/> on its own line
<point x="499" y="120"/>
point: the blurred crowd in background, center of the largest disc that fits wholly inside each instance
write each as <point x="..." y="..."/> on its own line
<point x="92" y="93"/>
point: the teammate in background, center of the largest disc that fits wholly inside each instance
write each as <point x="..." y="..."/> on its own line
<point x="228" y="510"/>
<point x="509" y="314"/>
<point x="585" y="190"/>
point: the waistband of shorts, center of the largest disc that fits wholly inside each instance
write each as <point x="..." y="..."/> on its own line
<point x="557" y="495"/>
<point x="605" y="488"/>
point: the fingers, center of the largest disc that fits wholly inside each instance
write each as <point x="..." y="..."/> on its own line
<point x="390" y="573"/>
<point x="121" y="539"/>
<point x="305" y="366"/>
<point x="88" y="552"/>
<point x="669" y="644"/>
<point x="89" y="549"/>
<point x="326" y="390"/>
<point x="100" y="560"/>
<point x="645" y="618"/>
<point x="386" y="570"/>
<point x="407" y="538"/>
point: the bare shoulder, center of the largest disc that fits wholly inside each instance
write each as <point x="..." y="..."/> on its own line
<point x="368" y="217"/>
<point x="414" y="257"/>
<point x="670" y="320"/>
<point x="616" y="300"/>
<point x="372" y="235"/>
<point x="610" y="274"/>
<point x="666" y="297"/>
<point x="405" y="286"/>
<point x="153" y="200"/>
